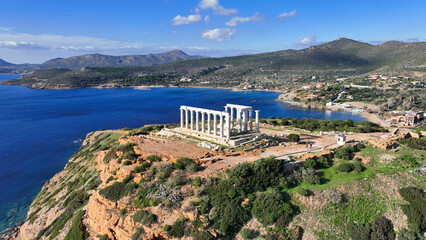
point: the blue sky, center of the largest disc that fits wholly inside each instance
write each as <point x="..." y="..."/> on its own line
<point x="35" y="31"/>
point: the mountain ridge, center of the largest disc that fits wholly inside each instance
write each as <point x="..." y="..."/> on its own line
<point x="342" y="57"/>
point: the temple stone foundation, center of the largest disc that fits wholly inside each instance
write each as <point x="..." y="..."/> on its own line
<point x="230" y="127"/>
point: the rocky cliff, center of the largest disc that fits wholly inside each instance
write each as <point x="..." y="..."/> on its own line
<point x="133" y="184"/>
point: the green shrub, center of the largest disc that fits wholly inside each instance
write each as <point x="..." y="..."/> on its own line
<point x="196" y="182"/>
<point x="303" y="192"/>
<point x="358" y="167"/>
<point x="127" y="162"/>
<point x="245" y="233"/>
<point x="416" y="209"/>
<point x="104" y="237"/>
<point x="153" y="158"/>
<point x="193" y="167"/>
<point x="310" y="163"/>
<point x="379" y="229"/>
<point x="416" y="143"/>
<point x="109" y="179"/>
<point x="182" y="162"/>
<point x="345" y="167"/>
<point x="122" y="212"/>
<point x="77" y="230"/>
<point x="201" y="235"/>
<point x="112" y="154"/>
<point x="145" y="217"/>
<point x="177" y="229"/>
<point x="359" y="231"/>
<point x="166" y="228"/>
<point x="382" y="228"/>
<point x="269" y="206"/>
<point x="138" y="234"/>
<point x="117" y="190"/>
<point x="127" y="179"/>
<point x="293" y="137"/>
<point x="142" y="167"/>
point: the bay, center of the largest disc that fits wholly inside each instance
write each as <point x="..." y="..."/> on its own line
<point x="41" y="129"/>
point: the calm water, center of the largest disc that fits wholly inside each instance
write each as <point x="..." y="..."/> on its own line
<point x="39" y="128"/>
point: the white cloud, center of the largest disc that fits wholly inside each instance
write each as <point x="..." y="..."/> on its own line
<point x="182" y="20"/>
<point x="20" y="45"/>
<point x="288" y="14"/>
<point x="217" y="8"/>
<point x="219" y="34"/>
<point x="237" y="20"/>
<point x="307" y="40"/>
<point x="207" y="19"/>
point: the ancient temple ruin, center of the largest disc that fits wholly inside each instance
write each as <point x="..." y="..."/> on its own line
<point x="224" y="127"/>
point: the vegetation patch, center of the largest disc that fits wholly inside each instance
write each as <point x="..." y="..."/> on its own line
<point x="325" y="125"/>
<point x="117" y="190"/>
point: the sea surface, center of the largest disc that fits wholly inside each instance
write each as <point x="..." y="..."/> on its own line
<point x="41" y="129"/>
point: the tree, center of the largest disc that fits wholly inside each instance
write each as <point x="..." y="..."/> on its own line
<point x="382" y="229"/>
<point x="293" y="137"/>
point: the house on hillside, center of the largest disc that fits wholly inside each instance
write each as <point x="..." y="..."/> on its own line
<point x="408" y="120"/>
<point x="320" y="85"/>
<point x="374" y="77"/>
<point x="306" y="87"/>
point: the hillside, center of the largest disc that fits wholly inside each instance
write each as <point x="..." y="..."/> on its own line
<point x="342" y="57"/>
<point x="3" y="63"/>
<point x="114" y="187"/>
<point x="99" y="60"/>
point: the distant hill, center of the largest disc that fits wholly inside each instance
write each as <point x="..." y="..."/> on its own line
<point x="99" y="60"/>
<point x="342" y="57"/>
<point x="3" y="63"/>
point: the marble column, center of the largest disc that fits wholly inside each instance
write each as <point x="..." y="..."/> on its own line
<point x="221" y="125"/>
<point x="186" y="118"/>
<point x="239" y="120"/>
<point x="257" y="120"/>
<point x="209" y="130"/>
<point x="202" y="122"/>
<point x="232" y="117"/>
<point x="192" y="119"/>
<point x="181" y="117"/>
<point x="250" y="120"/>
<point x="214" y="125"/>
<point x="244" y="120"/>
<point x="228" y="127"/>
<point x="197" y="127"/>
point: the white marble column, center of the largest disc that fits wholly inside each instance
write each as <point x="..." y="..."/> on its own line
<point x="221" y="125"/>
<point x="202" y="122"/>
<point x="214" y="125"/>
<point x="192" y="119"/>
<point x="209" y="130"/>
<point x="257" y="120"/>
<point x="239" y="120"/>
<point x="197" y="125"/>
<point x="228" y="127"/>
<point x="186" y="118"/>
<point x="232" y="117"/>
<point x="181" y="117"/>
<point x="244" y="120"/>
<point x="250" y="120"/>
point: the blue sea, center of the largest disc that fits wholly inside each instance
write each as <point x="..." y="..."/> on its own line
<point x="40" y="129"/>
